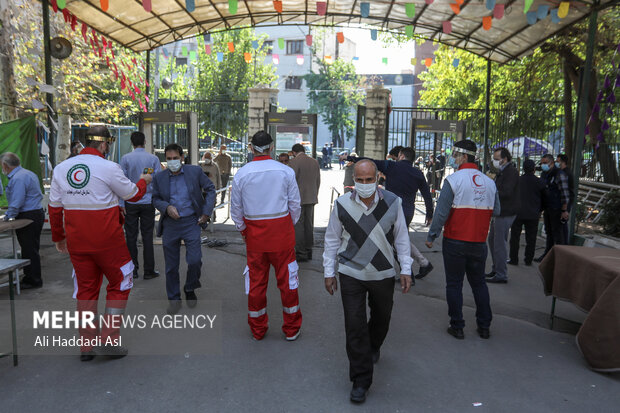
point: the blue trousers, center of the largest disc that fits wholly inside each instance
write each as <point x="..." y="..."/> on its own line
<point x="186" y="229"/>
<point x="460" y="258"/>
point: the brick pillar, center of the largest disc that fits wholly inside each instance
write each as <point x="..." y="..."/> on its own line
<point x="376" y="122"/>
<point x="260" y="99"/>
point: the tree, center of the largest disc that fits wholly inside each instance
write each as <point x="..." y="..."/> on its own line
<point x="8" y="95"/>
<point x="334" y="93"/>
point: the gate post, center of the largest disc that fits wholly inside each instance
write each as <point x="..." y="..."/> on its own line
<point x="377" y="99"/>
<point x="260" y="99"/>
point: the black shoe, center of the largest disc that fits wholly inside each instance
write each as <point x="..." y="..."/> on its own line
<point x="173" y="307"/>
<point x="87" y="356"/>
<point x="301" y="258"/>
<point x="309" y="256"/>
<point x="358" y="394"/>
<point x="539" y="259"/>
<point x="483" y="332"/>
<point x="376" y="355"/>
<point x="490" y="275"/>
<point x="424" y="271"/>
<point x="28" y="286"/>
<point x="112" y="352"/>
<point x="528" y="263"/>
<point x="150" y="275"/>
<point x="191" y="299"/>
<point x="456" y="333"/>
<point x="496" y="280"/>
<point x="513" y="262"/>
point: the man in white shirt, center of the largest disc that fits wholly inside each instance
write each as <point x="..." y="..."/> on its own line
<point x="364" y="229"/>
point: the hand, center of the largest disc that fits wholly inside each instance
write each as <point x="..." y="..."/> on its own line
<point x="331" y="285"/>
<point x="405" y="283"/>
<point x="565" y="215"/>
<point x="203" y="218"/>
<point x="429" y="244"/>
<point x="172" y="212"/>
<point x="148" y="178"/>
<point x="123" y="211"/>
<point x="61" y="246"/>
<point x="428" y="221"/>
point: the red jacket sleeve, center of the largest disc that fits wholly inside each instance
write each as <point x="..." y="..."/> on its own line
<point x="141" y="184"/>
<point x="57" y="223"/>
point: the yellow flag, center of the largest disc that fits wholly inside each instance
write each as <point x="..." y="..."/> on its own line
<point x="563" y="9"/>
<point x="414" y="61"/>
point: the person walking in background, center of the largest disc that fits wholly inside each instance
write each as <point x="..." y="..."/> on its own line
<point x="555" y="202"/>
<point x="284" y="158"/>
<point x="308" y="177"/>
<point x="330" y="153"/>
<point x="325" y="153"/>
<point x="364" y="229"/>
<point x="224" y="162"/>
<point x="23" y="194"/>
<point x="140" y="215"/>
<point x="507" y="183"/>
<point x="178" y="195"/>
<point x="211" y="169"/>
<point x="531" y="191"/>
<point x="348" y="181"/>
<point x="562" y="163"/>
<point x="265" y="206"/>
<point x="465" y="206"/>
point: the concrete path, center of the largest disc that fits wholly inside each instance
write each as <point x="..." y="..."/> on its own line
<point x="524" y="367"/>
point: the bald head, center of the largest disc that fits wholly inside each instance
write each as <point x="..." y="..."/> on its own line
<point x="365" y="172"/>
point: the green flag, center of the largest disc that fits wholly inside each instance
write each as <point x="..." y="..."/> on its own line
<point x="20" y="137"/>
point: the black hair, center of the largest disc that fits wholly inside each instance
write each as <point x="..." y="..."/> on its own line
<point x="504" y="153"/>
<point x="174" y="147"/>
<point x="298" y="148"/>
<point x="261" y="138"/>
<point x="395" y="151"/>
<point x="137" y="139"/>
<point x="549" y="157"/>
<point x="468" y="146"/>
<point x="563" y="158"/>
<point x="408" y="153"/>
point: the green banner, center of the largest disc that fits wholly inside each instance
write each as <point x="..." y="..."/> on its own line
<point x="20" y="137"/>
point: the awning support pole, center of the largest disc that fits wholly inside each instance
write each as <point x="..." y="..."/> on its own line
<point x="487" y="115"/>
<point x="148" y="76"/>
<point x="47" y="57"/>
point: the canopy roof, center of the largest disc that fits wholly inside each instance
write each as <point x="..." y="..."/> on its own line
<point x="510" y="37"/>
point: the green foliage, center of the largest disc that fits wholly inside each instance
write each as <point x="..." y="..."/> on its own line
<point x="334" y="93"/>
<point x="610" y="217"/>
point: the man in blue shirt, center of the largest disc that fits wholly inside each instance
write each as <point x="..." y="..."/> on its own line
<point x="23" y="194"/>
<point x="178" y="195"/>
<point x="142" y="212"/>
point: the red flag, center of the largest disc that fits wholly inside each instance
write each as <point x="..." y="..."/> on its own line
<point x="73" y="22"/>
<point x="84" y="30"/>
<point x="54" y="6"/>
<point x="105" y="44"/>
<point x="66" y="14"/>
<point x="146" y="97"/>
<point x="107" y="60"/>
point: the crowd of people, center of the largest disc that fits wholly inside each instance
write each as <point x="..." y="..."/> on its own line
<point x="97" y="209"/>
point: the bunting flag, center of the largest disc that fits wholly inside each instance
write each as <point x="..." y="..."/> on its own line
<point x="428" y="61"/>
<point x="542" y="11"/>
<point x="232" y="6"/>
<point x="414" y="61"/>
<point x="277" y="4"/>
<point x="409" y="31"/>
<point x="275" y="59"/>
<point x="531" y="18"/>
<point x="562" y="10"/>
<point x="231" y="47"/>
<point x="487" y="22"/>
<point x="340" y="37"/>
<point x="447" y="27"/>
<point x="61" y="4"/>
<point x="365" y="9"/>
<point x="321" y="8"/>
<point x="373" y="34"/>
<point x="300" y="59"/>
<point x="247" y="57"/>
<point x="527" y="5"/>
<point x="490" y="4"/>
<point x="184" y="51"/>
<point x="554" y="16"/>
<point x="328" y="60"/>
<point x="192" y="55"/>
<point x="384" y="60"/>
<point x="456" y="62"/>
<point x="147" y="5"/>
<point x="429" y="1"/>
<point x="459" y="2"/>
<point x="356" y="58"/>
<point x="255" y="44"/>
<point x="498" y="11"/>
<point x="281" y="43"/>
<point x="309" y="39"/>
<point x="190" y="5"/>
<point x="410" y="10"/>
<point x="220" y="56"/>
<point x="455" y="8"/>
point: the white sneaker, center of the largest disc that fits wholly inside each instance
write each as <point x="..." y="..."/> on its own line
<point x="293" y="338"/>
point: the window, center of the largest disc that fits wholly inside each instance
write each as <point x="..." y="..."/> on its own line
<point x="181" y="61"/>
<point x="293" y="82"/>
<point x="294" y="47"/>
<point x="268" y="46"/>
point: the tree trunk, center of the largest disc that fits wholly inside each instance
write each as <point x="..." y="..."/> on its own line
<point x="8" y="95"/>
<point x="63" y="137"/>
<point x="568" y="113"/>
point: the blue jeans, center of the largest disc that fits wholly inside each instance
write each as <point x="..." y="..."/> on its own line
<point x="460" y="258"/>
<point x="188" y="230"/>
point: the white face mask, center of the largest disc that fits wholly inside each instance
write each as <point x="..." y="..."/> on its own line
<point x="365" y="190"/>
<point x="174" y="165"/>
<point x="496" y="163"/>
<point x="208" y="161"/>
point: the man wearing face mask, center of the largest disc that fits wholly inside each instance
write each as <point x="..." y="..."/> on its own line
<point x="178" y="195"/>
<point x="366" y="226"/>
<point x="562" y="163"/>
<point x="210" y="168"/>
<point x="86" y="223"/>
<point x="507" y="184"/>
<point x="465" y="206"/>
<point x="555" y="202"/>
<point x="224" y="162"/>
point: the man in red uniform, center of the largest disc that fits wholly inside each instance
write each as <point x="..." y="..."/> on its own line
<point x="86" y="223"/>
<point x="265" y="205"/>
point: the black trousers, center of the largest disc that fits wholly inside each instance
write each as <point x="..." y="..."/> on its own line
<point x="553" y="228"/>
<point x="142" y="217"/>
<point x="224" y="178"/>
<point x="531" y="229"/>
<point x="364" y="337"/>
<point x="29" y="239"/>
<point x="304" y="232"/>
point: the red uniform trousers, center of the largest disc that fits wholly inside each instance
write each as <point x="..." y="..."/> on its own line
<point x="89" y="268"/>
<point x="287" y="278"/>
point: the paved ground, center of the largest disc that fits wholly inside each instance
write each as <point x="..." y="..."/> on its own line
<point x="524" y="367"/>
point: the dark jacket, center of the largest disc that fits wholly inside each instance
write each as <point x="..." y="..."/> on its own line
<point x="507" y="183"/>
<point x="531" y="190"/>
<point x="195" y="180"/>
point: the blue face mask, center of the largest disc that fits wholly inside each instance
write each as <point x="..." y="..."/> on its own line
<point x="452" y="162"/>
<point x="557" y="165"/>
<point x="544" y="167"/>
